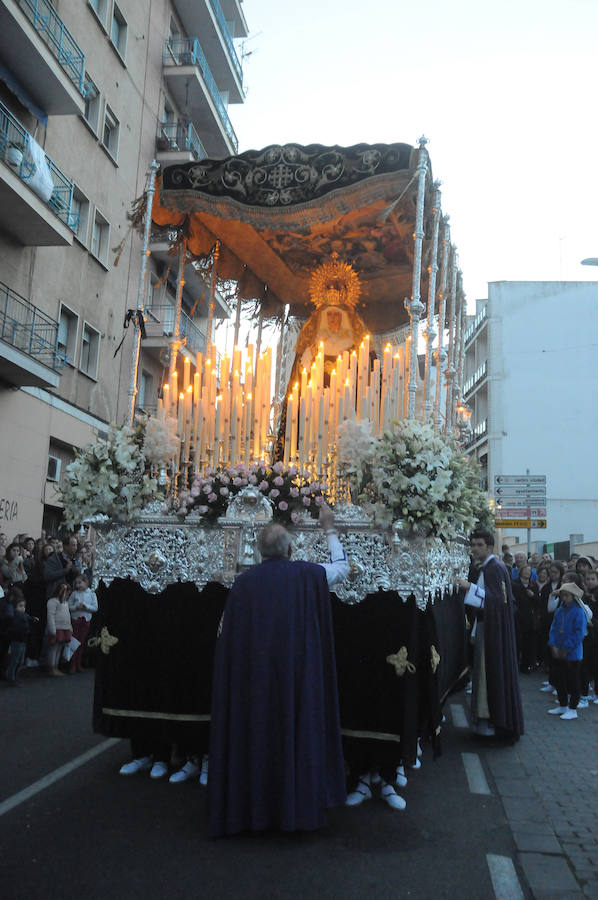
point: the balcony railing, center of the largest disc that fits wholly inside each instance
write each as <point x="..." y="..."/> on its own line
<point x="37" y="170"/>
<point x="188" y="52"/>
<point x="475" y="379"/>
<point x="56" y="35"/>
<point x="159" y="321"/>
<point x="477" y="323"/>
<point x="180" y="136"/>
<point x="220" y="18"/>
<point x="27" y="328"/>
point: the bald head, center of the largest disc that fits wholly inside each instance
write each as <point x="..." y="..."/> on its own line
<point x="274" y="541"/>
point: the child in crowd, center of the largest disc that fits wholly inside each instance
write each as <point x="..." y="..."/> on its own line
<point x="82" y="603"/>
<point x="58" y="628"/>
<point x="590" y="644"/>
<point x="567" y="632"/>
<point x="17" y="632"/>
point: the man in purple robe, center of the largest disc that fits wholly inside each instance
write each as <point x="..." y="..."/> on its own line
<point x="496" y="699"/>
<point x="276" y="757"/>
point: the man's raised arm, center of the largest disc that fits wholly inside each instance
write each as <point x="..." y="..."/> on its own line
<point x="338" y="568"/>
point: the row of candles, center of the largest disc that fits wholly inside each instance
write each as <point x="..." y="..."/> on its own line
<point x="223" y="410"/>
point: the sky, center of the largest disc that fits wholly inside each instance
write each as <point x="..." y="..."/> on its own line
<point x="506" y="91"/>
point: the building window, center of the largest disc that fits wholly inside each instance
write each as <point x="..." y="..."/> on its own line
<point x="80" y="211"/>
<point x="90" y="351"/>
<point x="92" y="104"/>
<point x="68" y="322"/>
<point x="100" y="237"/>
<point x="118" y="31"/>
<point x="110" y="133"/>
<point x="100" y="8"/>
<point x="145" y="395"/>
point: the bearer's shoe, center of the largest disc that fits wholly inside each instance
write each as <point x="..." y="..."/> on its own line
<point x="557" y="711"/>
<point x="136" y="765"/>
<point x="159" y="770"/>
<point x="361" y="793"/>
<point x="569" y="714"/>
<point x="546" y="687"/>
<point x="203" y="778"/>
<point x="417" y="764"/>
<point x="419" y="749"/>
<point x="484" y="728"/>
<point x="189" y="770"/>
<point x="390" y="796"/>
<point x="401" y="778"/>
<point x="583" y="703"/>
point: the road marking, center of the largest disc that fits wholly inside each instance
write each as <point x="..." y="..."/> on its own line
<point x="504" y="878"/>
<point x="55" y="776"/>
<point x="475" y="774"/>
<point x="458" y="716"/>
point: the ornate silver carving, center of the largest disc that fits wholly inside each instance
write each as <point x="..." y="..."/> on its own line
<point x="157" y="550"/>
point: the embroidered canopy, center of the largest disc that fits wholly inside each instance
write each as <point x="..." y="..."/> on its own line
<point x="282" y="211"/>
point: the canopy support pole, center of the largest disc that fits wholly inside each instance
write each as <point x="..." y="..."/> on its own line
<point x="176" y="343"/>
<point x="215" y="255"/>
<point x="460" y="357"/>
<point x="440" y="354"/>
<point x="414" y="306"/>
<point x="429" y="331"/>
<point x="450" y="368"/>
<point x="145" y="252"/>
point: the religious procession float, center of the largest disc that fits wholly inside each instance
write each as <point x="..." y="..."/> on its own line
<point x="344" y="255"/>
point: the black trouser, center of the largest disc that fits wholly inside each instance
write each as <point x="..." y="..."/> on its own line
<point x="567" y="681"/>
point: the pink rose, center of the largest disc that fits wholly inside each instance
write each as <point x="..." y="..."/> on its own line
<point x="283" y="505"/>
<point x="306" y="501"/>
<point x="195" y="490"/>
<point x="319" y="501"/>
<point x="224" y="492"/>
<point x="278" y="481"/>
<point x="323" y="486"/>
<point x="207" y="488"/>
<point x="277" y="467"/>
<point x="292" y="471"/>
<point x="237" y="482"/>
<point x="294" y="492"/>
<point x="224" y="479"/>
<point x="202" y="510"/>
<point x="294" y="517"/>
<point x="305" y="490"/>
<point x="212" y="497"/>
<point x="263" y="485"/>
<point x="252" y="479"/>
<point x="274" y="492"/>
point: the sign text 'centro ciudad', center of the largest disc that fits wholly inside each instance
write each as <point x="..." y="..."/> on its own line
<point x="520" y="501"/>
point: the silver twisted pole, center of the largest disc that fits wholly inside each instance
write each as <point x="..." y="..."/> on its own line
<point x="450" y="368"/>
<point x="440" y="354"/>
<point x="414" y="306"/>
<point x="430" y="331"/>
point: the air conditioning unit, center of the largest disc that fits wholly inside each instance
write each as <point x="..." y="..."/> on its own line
<point x="53" y="473"/>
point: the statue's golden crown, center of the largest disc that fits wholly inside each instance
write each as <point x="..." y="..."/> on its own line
<point x="334" y="283"/>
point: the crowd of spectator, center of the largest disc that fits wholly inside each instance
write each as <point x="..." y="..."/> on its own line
<point x="46" y="603"/>
<point x="556" y="619"/>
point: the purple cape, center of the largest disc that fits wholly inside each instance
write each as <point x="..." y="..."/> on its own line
<point x="502" y="672"/>
<point x="275" y="744"/>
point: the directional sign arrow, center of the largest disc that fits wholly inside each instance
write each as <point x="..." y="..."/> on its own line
<point x="520" y="479"/>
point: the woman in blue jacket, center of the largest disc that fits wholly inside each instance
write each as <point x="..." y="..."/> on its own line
<point x="567" y="632"/>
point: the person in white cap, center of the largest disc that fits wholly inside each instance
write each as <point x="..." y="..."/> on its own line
<point x="567" y="632"/>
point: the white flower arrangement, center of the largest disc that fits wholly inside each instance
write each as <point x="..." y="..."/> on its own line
<point x="414" y="475"/>
<point x="161" y="442"/>
<point x="109" y="477"/>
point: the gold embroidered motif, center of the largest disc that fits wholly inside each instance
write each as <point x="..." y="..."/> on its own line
<point x="435" y="658"/>
<point x="400" y="662"/>
<point x="105" y="641"/>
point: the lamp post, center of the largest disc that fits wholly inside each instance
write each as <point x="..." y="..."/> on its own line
<point x="590" y="261"/>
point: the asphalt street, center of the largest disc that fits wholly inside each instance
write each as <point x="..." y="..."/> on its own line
<point x="92" y="833"/>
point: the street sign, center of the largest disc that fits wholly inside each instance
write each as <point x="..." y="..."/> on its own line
<point x="520" y="523"/>
<point x="538" y="512"/>
<point x="513" y="490"/>
<point x="520" y="479"/>
<point x="521" y="502"/>
<point x="511" y="512"/>
<point x="512" y="523"/>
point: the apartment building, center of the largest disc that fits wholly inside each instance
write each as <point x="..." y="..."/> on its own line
<point x="90" y="92"/>
<point x="530" y="379"/>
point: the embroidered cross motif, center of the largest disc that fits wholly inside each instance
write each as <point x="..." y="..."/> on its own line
<point x="105" y="641"/>
<point x="281" y="176"/>
<point x="400" y="662"/>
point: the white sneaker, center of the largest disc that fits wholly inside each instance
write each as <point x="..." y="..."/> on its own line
<point x="390" y="796"/>
<point x="361" y="793"/>
<point x="583" y="703"/>
<point x="557" y="711"/>
<point x="203" y="778"/>
<point x="419" y="749"/>
<point x="546" y="688"/>
<point x="569" y="714"/>
<point x="484" y="729"/>
<point x="159" y="770"/>
<point x="416" y="765"/>
<point x="401" y="779"/>
<point x="189" y="770"/>
<point x="595" y="701"/>
<point x="136" y="765"/>
<point x="468" y="689"/>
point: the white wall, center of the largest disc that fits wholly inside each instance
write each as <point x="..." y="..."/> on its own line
<point x="543" y="385"/>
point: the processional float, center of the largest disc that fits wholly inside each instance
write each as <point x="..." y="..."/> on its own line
<point x="349" y="251"/>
